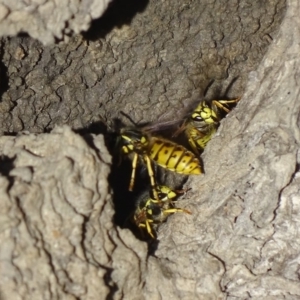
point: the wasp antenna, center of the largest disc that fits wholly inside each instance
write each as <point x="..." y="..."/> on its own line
<point x="230" y="85"/>
<point x="179" y="130"/>
<point x="210" y="83"/>
<point x="129" y="118"/>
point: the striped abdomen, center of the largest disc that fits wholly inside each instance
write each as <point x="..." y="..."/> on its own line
<point x="173" y="157"/>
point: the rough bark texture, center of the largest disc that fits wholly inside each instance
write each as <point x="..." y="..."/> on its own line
<point x="57" y="236"/>
<point x="48" y="20"/>
<point x="243" y="239"/>
<point x="58" y="239"/>
<point x="152" y="65"/>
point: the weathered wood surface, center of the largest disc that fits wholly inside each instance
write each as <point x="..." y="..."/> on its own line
<point x="58" y="239"/>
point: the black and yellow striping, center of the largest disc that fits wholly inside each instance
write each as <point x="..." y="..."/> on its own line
<point x="204" y="121"/>
<point x="150" y="213"/>
<point x="173" y="157"/>
<point x="139" y="144"/>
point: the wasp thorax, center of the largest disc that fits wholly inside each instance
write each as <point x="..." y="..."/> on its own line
<point x="133" y="140"/>
<point x="204" y="121"/>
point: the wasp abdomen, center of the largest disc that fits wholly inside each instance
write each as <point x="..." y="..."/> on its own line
<point x="174" y="157"/>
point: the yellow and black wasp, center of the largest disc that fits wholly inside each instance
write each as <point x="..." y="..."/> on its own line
<point x="150" y="213"/>
<point x="138" y="143"/>
<point x="204" y="121"/>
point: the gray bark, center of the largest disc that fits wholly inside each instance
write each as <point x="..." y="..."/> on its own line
<point x="58" y="239"/>
<point x="48" y="20"/>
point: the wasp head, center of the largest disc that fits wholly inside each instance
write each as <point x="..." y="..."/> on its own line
<point x="204" y="115"/>
<point x="164" y="193"/>
<point x="133" y="140"/>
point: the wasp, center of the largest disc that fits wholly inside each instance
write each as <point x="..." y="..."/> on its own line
<point x="204" y="121"/>
<point x="150" y="213"/>
<point x="138" y="143"/>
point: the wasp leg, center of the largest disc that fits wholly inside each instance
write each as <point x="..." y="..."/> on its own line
<point x="196" y="140"/>
<point x="151" y="175"/>
<point x="148" y="227"/>
<point x="179" y="130"/>
<point x="184" y="191"/>
<point x="175" y="210"/>
<point x="222" y="103"/>
<point x="134" y="164"/>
